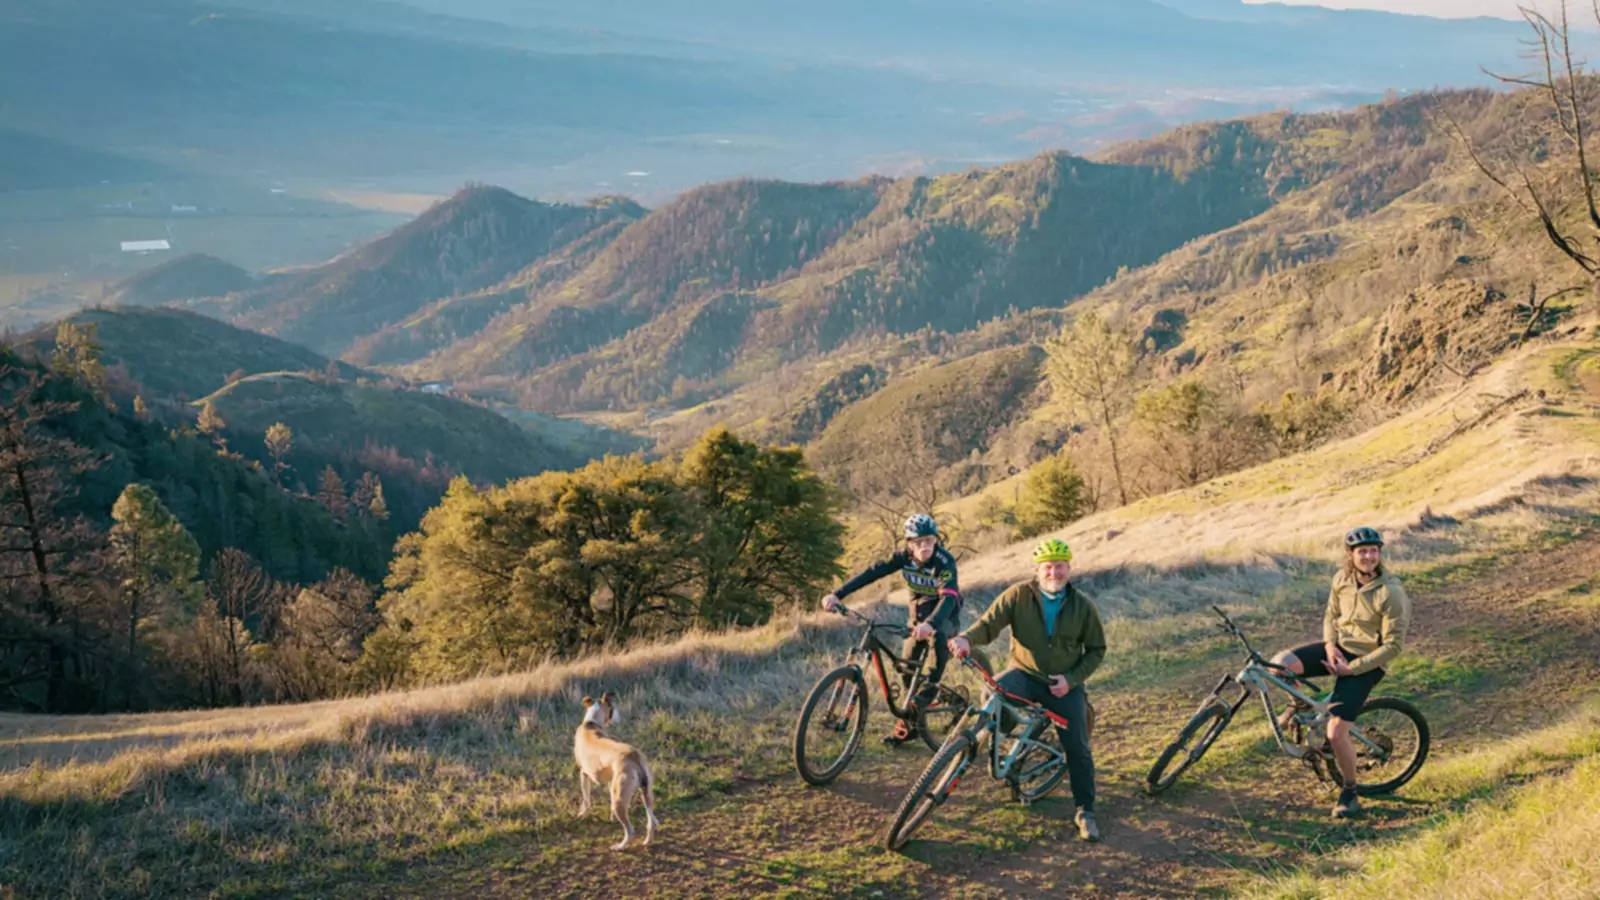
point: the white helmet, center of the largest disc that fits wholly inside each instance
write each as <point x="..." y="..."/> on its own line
<point x="921" y="525"/>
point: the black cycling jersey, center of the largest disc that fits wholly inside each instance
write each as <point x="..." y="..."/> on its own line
<point x="934" y="591"/>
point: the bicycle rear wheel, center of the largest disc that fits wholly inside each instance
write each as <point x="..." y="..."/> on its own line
<point x="932" y="788"/>
<point x="937" y="718"/>
<point x="1402" y="738"/>
<point x="1036" y="774"/>
<point x="830" y="727"/>
<point x="1192" y="743"/>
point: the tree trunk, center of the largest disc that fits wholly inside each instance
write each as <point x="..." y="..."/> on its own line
<point x="56" y="683"/>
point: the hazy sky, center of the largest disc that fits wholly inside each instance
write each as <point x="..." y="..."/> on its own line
<point x="1506" y="9"/>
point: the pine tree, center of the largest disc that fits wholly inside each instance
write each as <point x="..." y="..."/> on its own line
<point x="280" y="440"/>
<point x="211" y="425"/>
<point x="331" y="493"/>
<point x="46" y="555"/>
<point x="158" y="566"/>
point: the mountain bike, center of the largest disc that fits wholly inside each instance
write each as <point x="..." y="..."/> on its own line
<point x="834" y="718"/>
<point x="1390" y="735"/>
<point x="1031" y="768"/>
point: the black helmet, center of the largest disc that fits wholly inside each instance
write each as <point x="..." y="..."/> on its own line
<point x="921" y="525"/>
<point x="1359" y="537"/>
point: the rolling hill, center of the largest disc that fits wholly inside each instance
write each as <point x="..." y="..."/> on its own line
<point x="353" y="419"/>
<point x="186" y="276"/>
<point x="174" y="356"/>
<point x="1282" y="254"/>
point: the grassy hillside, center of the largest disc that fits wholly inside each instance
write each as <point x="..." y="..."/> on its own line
<point x="937" y="416"/>
<point x="445" y="790"/>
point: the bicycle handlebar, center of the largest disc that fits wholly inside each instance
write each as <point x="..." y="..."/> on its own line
<point x="1257" y="658"/>
<point x="843" y="610"/>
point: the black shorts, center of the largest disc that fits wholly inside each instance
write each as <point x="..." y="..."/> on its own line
<point x="1350" y="692"/>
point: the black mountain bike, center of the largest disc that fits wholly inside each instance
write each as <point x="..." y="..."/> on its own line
<point x="1390" y="735"/>
<point x="834" y="719"/>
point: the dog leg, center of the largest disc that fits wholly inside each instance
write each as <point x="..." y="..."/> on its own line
<point x="647" y="793"/>
<point x="621" y="793"/>
<point x="583" y="780"/>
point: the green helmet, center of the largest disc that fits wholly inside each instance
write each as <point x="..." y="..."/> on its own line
<point x="1052" y="550"/>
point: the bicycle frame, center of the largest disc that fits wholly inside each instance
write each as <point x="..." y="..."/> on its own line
<point x="875" y="648"/>
<point x="1258" y="676"/>
<point x="1028" y="714"/>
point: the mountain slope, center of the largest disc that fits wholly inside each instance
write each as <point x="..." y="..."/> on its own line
<point x="742" y="234"/>
<point x="945" y="253"/>
<point x="352" y="419"/>
<point x="471" y="241"/>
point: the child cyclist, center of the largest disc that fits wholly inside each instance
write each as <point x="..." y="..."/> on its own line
<point x="930" y="573"/>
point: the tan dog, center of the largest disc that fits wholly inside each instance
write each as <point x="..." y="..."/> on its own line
<point x="602" y="759"/>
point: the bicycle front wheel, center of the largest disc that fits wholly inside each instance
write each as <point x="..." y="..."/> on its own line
<point x="932" y="788"/>
<point x="830" y="727"/>
<point x="1192" y="743"/>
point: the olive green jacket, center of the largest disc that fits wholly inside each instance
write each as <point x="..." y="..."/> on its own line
<point x="1369" y="620"/>
<point x="1077" y="648"/>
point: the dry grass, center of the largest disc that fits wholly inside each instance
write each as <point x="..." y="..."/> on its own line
<point x="1385" y="477"/>
<point x="1534" y="841"/>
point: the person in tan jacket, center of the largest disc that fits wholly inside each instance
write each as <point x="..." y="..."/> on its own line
<point x="1363" y="630"/>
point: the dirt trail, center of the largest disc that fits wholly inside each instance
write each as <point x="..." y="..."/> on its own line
<point x="1202" y="837"/>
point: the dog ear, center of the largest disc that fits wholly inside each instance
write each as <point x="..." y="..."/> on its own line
<point x="588" y="702"/>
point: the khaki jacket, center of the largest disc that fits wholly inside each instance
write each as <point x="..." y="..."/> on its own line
<point x="1370" y="621"/>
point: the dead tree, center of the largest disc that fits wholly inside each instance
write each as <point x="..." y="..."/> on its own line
<point x="1560" y="84"/>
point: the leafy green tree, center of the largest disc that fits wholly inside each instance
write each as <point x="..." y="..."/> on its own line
<point x="768" y="533"/>
<point x="499" y="578"/>
<point x="1053" y="496"/>
<point x="1300" y="422"/>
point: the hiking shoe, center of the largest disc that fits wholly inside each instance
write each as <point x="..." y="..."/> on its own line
<point x="901" y="734"/>
<point x="1286" y="718"/>
<point x="1348" y="804"/>
<point x="1088" y="829"/>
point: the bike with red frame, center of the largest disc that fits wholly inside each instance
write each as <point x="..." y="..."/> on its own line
<point x="834" y="717"/>
<point x="1011" y="726"/>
